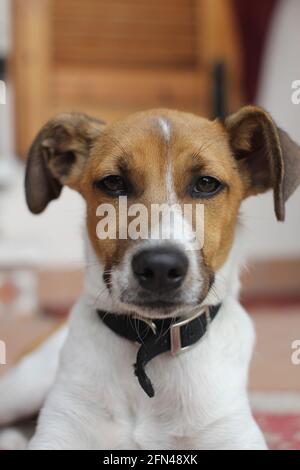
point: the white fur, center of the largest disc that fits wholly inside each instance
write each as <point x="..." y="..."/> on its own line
<point x="96" y="402"/>
<point x="165" y="127"/>
<point x="201" y="400"/>
<point x="171" y="194"/>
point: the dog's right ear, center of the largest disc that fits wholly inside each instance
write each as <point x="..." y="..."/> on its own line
<point x="57" y="157"/>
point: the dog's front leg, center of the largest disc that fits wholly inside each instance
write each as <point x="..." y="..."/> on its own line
<point x="73" y="420"/>
<point x="63" y="432"/>
<point x="67" y="429"/>
<point x="59" y="436"/>
<point x="60" y="431"/>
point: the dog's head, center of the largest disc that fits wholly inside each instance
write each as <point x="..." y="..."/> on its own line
<point x="162" y="157"/>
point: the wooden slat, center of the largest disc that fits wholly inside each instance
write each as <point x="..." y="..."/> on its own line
<point x="114" y="9"/>
<point x="130" y="32"/>
<point x="125" y="87"/>
<point x="30" y="65"/>
<point x="133" y="56"/>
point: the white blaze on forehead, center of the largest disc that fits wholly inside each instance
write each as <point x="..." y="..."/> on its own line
<point x="165" y="127"/>
<point x="171" y="194"/>
<point x="176" y="227"/>
<point x="170" y="191"/>
<point x="174" y="223"/>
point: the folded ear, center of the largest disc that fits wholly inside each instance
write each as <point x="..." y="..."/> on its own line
<point x="57" y="157"/>
<point x="267" y="157"/>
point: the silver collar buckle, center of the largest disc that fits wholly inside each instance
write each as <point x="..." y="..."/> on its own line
<point x="175" y="336"/>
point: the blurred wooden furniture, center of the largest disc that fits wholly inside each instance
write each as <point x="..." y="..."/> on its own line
<point x="112" y="57"/>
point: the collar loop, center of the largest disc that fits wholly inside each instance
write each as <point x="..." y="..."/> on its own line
<point x="159" y="336"/>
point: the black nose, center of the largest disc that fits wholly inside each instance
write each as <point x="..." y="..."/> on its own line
<point x="160" y="269"/>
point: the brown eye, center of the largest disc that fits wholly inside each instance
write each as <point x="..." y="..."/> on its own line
<point x="113" y="185"/>
<point x="206" y="186"/>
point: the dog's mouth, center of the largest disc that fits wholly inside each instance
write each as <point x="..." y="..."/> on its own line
<point x="159" y="310"/>
<point x="157" y="306"/>
<point x="162" y="305"/>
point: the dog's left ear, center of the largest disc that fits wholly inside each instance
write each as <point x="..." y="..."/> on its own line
<point x="57" y="157"/>
<point x="267" y="157"/>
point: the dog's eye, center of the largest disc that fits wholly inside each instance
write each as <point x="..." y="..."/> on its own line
<point x="206" y="186"/>
<point x="113" y="185"/>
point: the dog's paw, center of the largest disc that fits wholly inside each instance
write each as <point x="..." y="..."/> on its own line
<point x="12" y="439"/>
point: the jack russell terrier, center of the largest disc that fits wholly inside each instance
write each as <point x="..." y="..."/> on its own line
<point x="157" y="349"/>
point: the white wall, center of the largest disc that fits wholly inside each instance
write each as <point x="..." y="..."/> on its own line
<point x="52" y="239"/>
<point x="4" y="26"/>
<point x="6" y="118"/>
<point x="266" y="237"/>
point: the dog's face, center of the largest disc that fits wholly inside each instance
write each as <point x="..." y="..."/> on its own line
<point x="163" y="157"/>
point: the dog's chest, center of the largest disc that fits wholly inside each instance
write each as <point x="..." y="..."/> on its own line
<point x="170" y="420"/>
<point x="161" y="424"/>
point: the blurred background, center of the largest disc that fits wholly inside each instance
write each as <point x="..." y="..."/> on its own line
<point x="110" y="58"/>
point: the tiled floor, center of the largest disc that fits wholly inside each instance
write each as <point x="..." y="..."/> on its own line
<point x="21" y="334"/>
<point x="272" y="367"/>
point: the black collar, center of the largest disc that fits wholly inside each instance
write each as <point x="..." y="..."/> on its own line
<point x="158" y="336"/>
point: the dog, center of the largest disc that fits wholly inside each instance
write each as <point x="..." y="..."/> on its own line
<point x="157" y="349"/>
